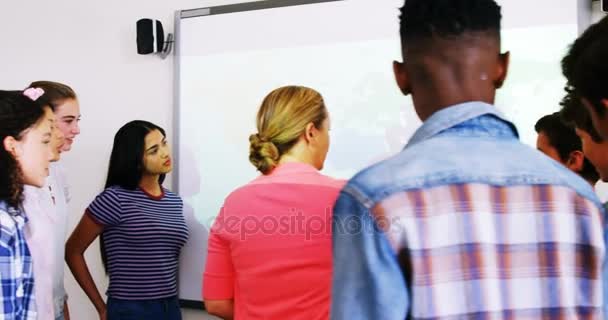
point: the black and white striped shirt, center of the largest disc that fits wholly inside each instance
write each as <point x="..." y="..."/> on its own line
<point x="143" y="236"/>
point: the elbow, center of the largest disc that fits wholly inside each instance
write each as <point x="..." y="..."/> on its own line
<point x="222" y="310"/>
<point x="71" y="253"/>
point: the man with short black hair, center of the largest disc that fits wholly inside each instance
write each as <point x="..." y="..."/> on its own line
<point x="466" y="222"/>
<point x="559" y="141"/>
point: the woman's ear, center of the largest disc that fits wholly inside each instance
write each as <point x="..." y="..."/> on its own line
<point x="10" y="145"/>
<point x="310" y="132"/>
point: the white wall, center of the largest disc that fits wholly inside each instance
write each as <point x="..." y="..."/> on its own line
<point x="91" y="46"/>
<point x="596" y="12"/>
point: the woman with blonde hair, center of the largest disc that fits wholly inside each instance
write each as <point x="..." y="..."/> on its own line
<point x="269" y="250"/>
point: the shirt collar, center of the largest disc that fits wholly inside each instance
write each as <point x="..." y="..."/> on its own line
<point x="293" y="167"/>
<point x="454" y="115"/>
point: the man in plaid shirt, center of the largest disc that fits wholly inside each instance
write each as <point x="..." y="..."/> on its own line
<point x="466" y="222"/>
<point x="16" y="268"/>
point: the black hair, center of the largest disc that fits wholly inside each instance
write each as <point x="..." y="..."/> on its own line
<point x="17" y="114"/>
<point x="585" y="67"/>
<point x="564" y="139"/>
<point x="574" y="114"/>
<point x="126" y="161"/>
<point x="426" y="19"/>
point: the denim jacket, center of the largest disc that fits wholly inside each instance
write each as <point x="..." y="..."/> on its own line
<point x="470" y="143"/>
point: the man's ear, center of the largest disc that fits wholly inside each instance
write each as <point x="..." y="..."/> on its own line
<point x="401" y="77"/>
<point x="502" y="69"/>
<point x="576" y="161"/>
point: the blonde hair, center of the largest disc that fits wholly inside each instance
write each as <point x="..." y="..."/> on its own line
<point x="281" y="120"/>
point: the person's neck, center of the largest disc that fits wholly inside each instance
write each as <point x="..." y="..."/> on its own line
<point x="427" y="104"/>
<point x="298" y="153"/>
<point x="149" y="183"/>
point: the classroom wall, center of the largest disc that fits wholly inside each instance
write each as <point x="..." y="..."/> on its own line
<point x="596" y="12"/>
<point x="91" y="46"/>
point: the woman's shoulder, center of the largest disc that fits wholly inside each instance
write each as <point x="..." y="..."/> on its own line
<point x="8" y="221"/>
<point x="170" y="195"/>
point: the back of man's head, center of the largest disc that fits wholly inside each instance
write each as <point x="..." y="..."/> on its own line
<point x="451" y="52"/>
<point x="563" y="139"/>
<point x="424" y="20"/>
<point x="586" y="65"/>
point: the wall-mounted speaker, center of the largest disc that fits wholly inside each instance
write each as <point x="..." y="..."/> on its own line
<point x="151" y="38"/>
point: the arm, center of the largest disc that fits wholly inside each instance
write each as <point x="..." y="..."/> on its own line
<point x="218" y="282"/>
<point x="66" y="312"/>
<point x="8" y="279"/>
<point x="367" y="280"/>
<point x="220" y="308"/>
<point x="86" y="231"/>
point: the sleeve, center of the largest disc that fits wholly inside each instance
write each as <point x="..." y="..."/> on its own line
<point x="218" y="278"/>
<point x="31" y="312"/>
<point x="8" y="276"/>
<point x="106" y="208"/>
<point x="367" y="280"/>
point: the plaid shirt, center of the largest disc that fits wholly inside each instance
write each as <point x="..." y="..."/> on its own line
<point x="16" y="269"/>
<point x="467" y="223"/>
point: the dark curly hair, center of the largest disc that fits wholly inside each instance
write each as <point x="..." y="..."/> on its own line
<point x="425" y="19"/>
<point x="574" y="114"/>
<point x="17" y="114"/>
<point x="585" y="67"/>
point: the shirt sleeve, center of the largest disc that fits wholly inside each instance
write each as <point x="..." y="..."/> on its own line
<point x="367" y="280"/>
<point x="31" y="312"/>
<point x="8" y="276"/>
<point x="106" y="208"/>
<point x="218" y="278"/>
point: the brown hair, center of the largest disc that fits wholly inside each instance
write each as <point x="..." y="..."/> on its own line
<point x="281" y="120"/>
<point x="54" y="92"/>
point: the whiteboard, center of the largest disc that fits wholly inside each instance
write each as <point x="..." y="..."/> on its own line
<point x="230" y="57"/>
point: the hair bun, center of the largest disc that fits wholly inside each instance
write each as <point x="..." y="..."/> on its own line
<point x="263" y="154"/>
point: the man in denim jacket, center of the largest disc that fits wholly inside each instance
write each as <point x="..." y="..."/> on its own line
<point x="466" y="222"/>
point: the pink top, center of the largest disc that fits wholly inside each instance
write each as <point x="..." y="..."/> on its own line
<point x="270" y="247"/>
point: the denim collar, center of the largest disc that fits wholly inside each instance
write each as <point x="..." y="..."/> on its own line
<point x="454" y="115"/>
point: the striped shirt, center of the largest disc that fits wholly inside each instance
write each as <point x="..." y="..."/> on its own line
<point x="143" y="236"/>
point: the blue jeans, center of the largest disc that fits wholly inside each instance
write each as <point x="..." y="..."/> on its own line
<point x="160" y="309"/>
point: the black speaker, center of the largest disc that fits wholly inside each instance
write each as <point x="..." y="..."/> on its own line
<point x="150" y="36"/>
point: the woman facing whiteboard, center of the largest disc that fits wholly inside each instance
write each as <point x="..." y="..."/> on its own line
<point x="269" y="250"/>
